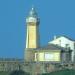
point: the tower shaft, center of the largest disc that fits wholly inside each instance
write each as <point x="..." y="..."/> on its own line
<point x="32" y="40"/>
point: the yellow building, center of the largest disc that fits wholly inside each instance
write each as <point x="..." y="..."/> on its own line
<point x="32" y="40"/>
<point x="33" y="51"/>
<point x="49" y="53"/>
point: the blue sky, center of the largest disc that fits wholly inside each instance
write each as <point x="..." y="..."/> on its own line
<point x="57" y="17"/>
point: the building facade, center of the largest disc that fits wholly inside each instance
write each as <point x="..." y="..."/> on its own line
<point x="65" y="42"/>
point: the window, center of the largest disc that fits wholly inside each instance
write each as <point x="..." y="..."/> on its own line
<point x="48" y="56"/>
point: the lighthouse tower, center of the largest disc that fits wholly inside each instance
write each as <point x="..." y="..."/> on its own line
<point x="32" y="38"/>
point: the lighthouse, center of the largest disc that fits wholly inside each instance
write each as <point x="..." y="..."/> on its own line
<point x="32" y="36"/>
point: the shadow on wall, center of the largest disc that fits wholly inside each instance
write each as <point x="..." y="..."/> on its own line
<point x="20" y="72"/>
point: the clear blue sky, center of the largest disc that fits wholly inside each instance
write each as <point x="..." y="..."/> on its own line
<point x="57" y="17"/>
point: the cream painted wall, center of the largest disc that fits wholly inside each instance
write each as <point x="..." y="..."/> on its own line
<point x="32" y="36"/>
<point x="47" y="56"/>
